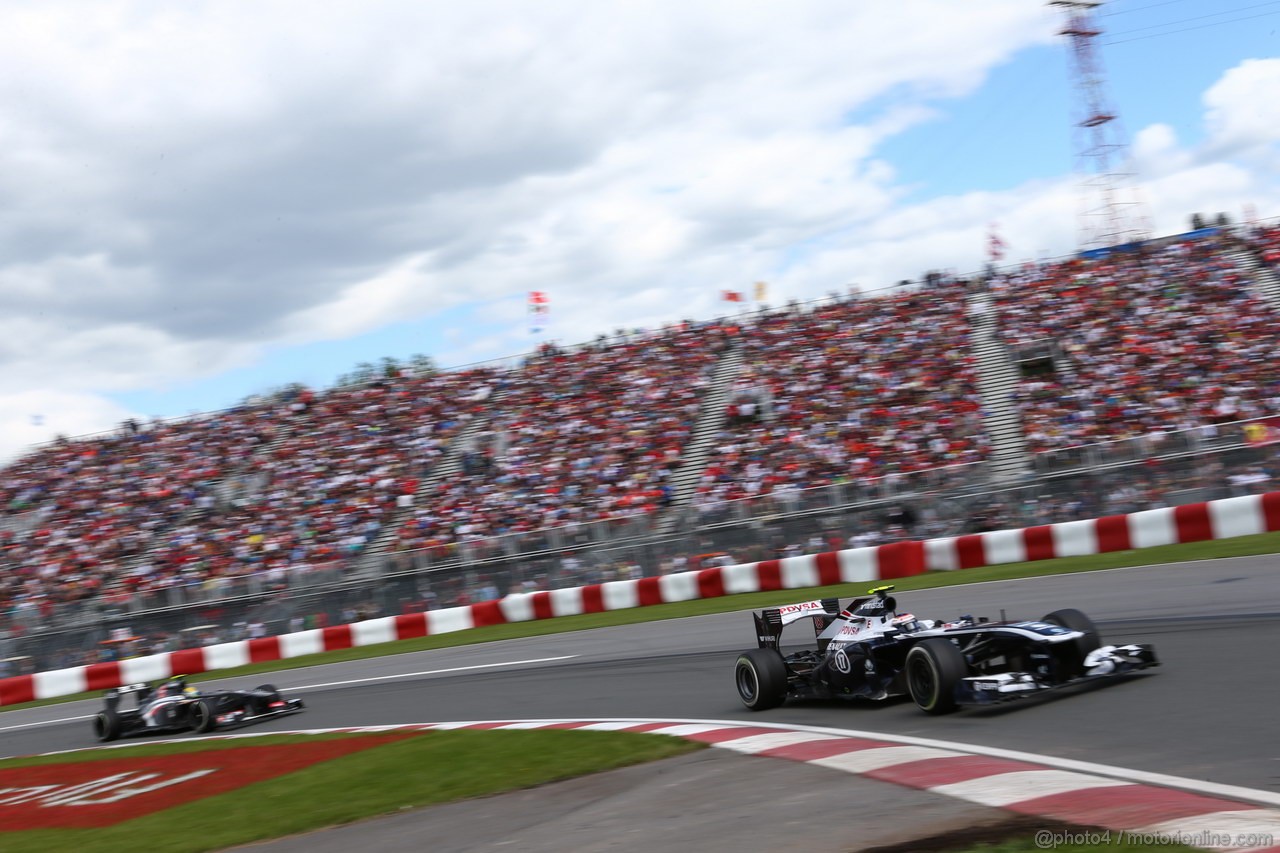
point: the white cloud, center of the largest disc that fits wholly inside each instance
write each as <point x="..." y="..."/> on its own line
<point x="188" y="185"/>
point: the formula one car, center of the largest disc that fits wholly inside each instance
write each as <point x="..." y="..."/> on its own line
<point x="173" y="706"/>
<point x="868" y="650"/>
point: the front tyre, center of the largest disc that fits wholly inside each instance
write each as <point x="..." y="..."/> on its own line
<point x="203" y="718"/>
<point x="1074" y="620"/>
<point x="934" y="669"/>
<point x="107" y="725"/>
<point x="761" y="678"/>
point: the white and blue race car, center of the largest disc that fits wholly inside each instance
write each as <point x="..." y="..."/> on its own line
<point x="867" y="650"/>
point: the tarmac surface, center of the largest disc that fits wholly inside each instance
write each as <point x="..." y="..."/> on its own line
<point x="1207" y="713"/>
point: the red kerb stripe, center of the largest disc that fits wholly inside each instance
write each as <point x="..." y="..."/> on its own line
<point x="1113" y="533"/>
<point x="1125" y="806"/>
<point x="970" y="552"/>
<point x="710" y="583"/>
<point x="336" y="637"/>
<point x="1271" y="510"/>
<point x="770" y="574"/>
<point x="187" y="662"/>
<point x="264" y="649"/>
<point x="1039" y="542"/>
<point x="100" y="676"/>
<point x="19" y="688"/>
<point x="593" y="599"/>
<point x="648" y="592"/>
<point x="828" y="568"/>
<point x="1192" y="522"/>
<point x="486" y="613"/>
<point x="542" y="606"/>
<point x="410" y="625"/>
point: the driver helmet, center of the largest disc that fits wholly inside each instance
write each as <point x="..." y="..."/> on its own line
<point x="906" y="623"/>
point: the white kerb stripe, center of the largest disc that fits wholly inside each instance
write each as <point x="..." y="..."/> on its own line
<point x="752" y="744"/>
<point x="685" y="729"/>
<point x="518" y="607"/>
<point x="373" y="631"/>
<point x="744" y="577"/>
<point x="1242" y="516"/>
<point x="611" y="726"/>
<point x="864" y="760"/>
<point x="530" y="725"/>
<point x="858" y="565"/>
<point x="1152" y="527"/>
<point x="1075" y="538"/>
<point x="940" y="555"/>
<point x="60" y="682"/>
<point x="449" y="620"/>
<point x="1004" y="546"/>
<point x="620" y="595"/>
<point x="302" y="643"/>
<point x="1217" y="830"/>
<point x="797" y="572"/>
<point x="567" y="602"/>
<point x="1005" y="788"/>
<point x="152" y="668"/>
<point x="226" y="655"/>
<point x="682" y="586"/>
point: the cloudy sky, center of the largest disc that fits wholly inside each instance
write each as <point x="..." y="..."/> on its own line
<point x="203" y="200"/>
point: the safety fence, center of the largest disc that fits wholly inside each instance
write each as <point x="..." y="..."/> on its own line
<point x="1220" y="519"/>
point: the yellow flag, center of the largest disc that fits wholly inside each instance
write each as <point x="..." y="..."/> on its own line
<point x="762" y="289"/>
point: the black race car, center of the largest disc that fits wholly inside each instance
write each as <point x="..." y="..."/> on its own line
<point x="174" y="706"/>
<point x="867" y="650"/>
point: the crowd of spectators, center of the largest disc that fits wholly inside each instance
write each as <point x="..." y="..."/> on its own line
<point x="299" y="482"/>
<point x="855" y="390"/>
<point x="588" y="435"/>
<point x="1164" y="338"/>
<point x="852" y="390"/>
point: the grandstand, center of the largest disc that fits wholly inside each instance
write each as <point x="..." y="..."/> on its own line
<point x="1095" y="384"/>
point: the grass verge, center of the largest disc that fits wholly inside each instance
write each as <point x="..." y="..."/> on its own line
<point x="432" y="768"/>
<point x="1242" y="546"/>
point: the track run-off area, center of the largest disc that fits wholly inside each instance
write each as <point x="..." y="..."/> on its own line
<point x="1208" y="713"/>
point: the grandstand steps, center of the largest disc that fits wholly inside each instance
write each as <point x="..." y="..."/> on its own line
<point x="997" y="384"/>
<point x="711" y="419"/>
<point x="1266" y="283"/>
<point x="449" y="465"/>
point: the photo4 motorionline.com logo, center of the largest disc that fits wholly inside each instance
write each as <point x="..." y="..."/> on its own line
<point x="1049" y="839"/>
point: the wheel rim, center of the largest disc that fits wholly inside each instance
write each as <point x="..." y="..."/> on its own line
<point x="923" y="684"/>
<point x="199" y="716"/>
<point x="748" y="685"/>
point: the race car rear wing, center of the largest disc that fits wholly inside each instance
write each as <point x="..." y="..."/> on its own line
<point x="113" y="696"/>
<point x="771" y="620"/>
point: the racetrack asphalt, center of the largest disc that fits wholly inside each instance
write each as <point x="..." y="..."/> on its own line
<point x="1207" y="713"/>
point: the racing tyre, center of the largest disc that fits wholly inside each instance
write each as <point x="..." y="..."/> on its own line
<point x="934" y="669"/>
<point x="761" y="678"/>
<point x="203" y="718"/>
<point x="1074" y="620"/>
<point x="268" y="688"/>
<point x="107" y="725"/>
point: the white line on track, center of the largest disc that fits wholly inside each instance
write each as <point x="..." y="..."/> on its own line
<point x="334" y="684"/>
<point x="424" y="672"/>
<point x="41" y="723"/>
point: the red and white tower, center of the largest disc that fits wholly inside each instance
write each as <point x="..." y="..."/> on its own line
<point x="1111" y="212"/>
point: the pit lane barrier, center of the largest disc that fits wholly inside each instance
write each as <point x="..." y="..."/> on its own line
<point x="1198" y="522"/>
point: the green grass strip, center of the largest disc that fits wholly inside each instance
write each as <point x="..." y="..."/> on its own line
<point x="432" y="768"/>
<point x="1264" y="543"/>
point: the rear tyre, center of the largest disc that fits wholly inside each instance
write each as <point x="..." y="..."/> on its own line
<point x="268" y="688"/>
<point x="934" y="669"/>
<point x="761" y="678"/>
<point x="1074" y="620"/>
<point x="107" y="725"/>
<point x="203" y="719"/>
